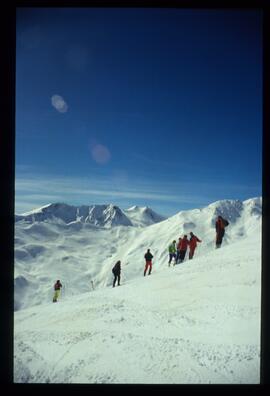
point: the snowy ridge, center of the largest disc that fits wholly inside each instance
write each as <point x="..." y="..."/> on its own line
<point x="99" y="215"/>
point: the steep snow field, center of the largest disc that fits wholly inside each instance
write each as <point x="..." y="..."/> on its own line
<point x="196" y="322"/>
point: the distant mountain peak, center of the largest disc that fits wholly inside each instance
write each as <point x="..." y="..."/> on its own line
<point x="106" y="215"/>
<point x="143" y="216"/>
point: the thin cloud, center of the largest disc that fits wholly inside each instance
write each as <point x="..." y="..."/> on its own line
<point x="59" y="103"/>
<point x="41" y="190"/>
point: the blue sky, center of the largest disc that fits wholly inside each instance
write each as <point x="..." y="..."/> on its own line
<point x="150" y="107"/>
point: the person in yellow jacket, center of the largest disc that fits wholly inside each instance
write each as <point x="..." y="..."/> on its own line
<point x="57" y="288"/>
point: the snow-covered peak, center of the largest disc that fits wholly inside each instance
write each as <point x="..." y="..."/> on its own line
<point x="143" y="216"/>
<point x="228" y="208"/>
<point x="133" y="208"/>
<point x="100" y="215"/>
<point x="51" y="212"/>
<point x="107" y="215"/>
<point x="37" y="210"/>
<point x="254" y="206"/>
<point x="114" y="216"/>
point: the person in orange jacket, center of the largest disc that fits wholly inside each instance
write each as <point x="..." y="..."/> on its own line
<point x="183" y="248"/>
<point x="193" y="244"/>
<point x="220" y="230"/>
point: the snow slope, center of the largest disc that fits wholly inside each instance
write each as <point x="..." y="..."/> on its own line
<point x="194" y="323"/>
<point x="81" y="254"/>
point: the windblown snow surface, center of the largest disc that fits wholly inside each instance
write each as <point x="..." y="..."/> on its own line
<point x="193" y="323"/>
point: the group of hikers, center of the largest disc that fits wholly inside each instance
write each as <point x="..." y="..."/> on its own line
<point x="176" y="252"/>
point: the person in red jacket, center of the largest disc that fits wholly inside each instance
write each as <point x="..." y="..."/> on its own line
<point x="220" y="230"/>
<point x="183" y="248"/>
<point x="193" y="244"/>
<point x="148" y="262"/>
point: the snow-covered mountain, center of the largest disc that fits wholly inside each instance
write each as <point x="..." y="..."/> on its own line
<point x="98" y="215"/>
<point x="194" y="323"/>
<point x="143" y="216"/>
<point x="82" y="254"/>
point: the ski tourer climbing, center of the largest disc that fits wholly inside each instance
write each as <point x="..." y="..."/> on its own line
<point x="221" y="223"/>
<point x="57" y="288"/>
<point x="172" y="252"/>
<point x="148" y="262"/>
<point x="193" y="244"/>
<point x="183" y="248"/>
<point x="116" y="271"/>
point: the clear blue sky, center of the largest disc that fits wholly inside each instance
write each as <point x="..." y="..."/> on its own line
<point x="149" y="107"/>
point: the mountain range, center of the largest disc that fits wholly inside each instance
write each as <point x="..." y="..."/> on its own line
<point x="99" y="215"/>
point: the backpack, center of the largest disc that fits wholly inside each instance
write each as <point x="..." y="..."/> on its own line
<point x="225" y="222"/>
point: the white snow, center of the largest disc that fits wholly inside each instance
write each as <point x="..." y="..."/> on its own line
<point x="194" y="323"/>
